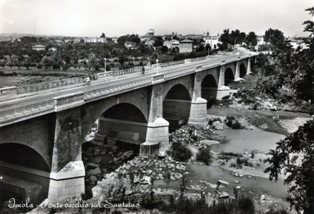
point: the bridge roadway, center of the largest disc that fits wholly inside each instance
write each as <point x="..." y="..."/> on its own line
<point x="107" y="82"/>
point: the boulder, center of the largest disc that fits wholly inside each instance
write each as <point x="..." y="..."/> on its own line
<point x="93" y="179"/>
<point x="217" y="125"/>
<point x="207" y="142"/>
<point x="223" y="195"/>
<point x="95" y="171"/>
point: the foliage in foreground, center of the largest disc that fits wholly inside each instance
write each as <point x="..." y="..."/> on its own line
<point x="180" y="152"/>
<point x="243" y="205"/>
<point x="295" y="155"/>
<point x="204" y="155"/>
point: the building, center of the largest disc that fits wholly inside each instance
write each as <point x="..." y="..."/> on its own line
<point x="38" y="47"/>
<point x="186" y="46"/>
<point x="95" y="40"/>
<point x="130" y="45"/>
<point x="297" y="43"/>
<point x="150" y="33"/>
<point x="171" y="43"/>
<point x="212" y="41"/>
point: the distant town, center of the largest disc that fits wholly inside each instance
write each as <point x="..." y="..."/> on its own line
<point x="114" y="53"/>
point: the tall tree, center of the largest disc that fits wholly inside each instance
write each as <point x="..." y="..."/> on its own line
<point x="251" y="39"/>
<point x="304" y="83"/>
<point x="295" y="154"/>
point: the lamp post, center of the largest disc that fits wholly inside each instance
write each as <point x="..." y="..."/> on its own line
<point x="157" y="65"/>
<point x="105" y="59"/>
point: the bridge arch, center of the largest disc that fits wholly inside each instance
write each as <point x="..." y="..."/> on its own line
<point x="177" y="106"/>
<point x="209" y="89"/>
<point x="229" y="76"/>
<point x="23" y="155"/>
<point x="125" y="111"/>
<point x="27" y="171"/>
<point x="242" y="70"/>
<point x="123" y="122"/>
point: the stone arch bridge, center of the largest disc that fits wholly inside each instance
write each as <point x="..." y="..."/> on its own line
<point x="41" y="133"/>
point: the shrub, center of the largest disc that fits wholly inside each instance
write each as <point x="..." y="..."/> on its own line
<point x="204" y="155"/>
<point x="246" y="206"/>
<point x="233" y="123"/>
<point x="245" y="162"/>
<point x="180" y="152"/>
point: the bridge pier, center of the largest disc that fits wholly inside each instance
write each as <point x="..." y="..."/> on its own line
<point x="157" y="134"/>
<point x="223" y="90"/>
<point x="249" y="69"/>
<point x="67" y="169"/>
<point x="198" y="111"/>
<point x="237" y="72"/>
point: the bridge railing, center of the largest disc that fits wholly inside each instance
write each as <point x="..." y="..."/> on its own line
<point x="124" y="71"/>
<point x="24" y="89"/>
<point x="168" y="64"/>
<point x="6" y="115"/>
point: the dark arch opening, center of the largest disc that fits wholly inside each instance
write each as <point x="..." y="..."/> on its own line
<point x="242" y="70"/>
<point x="22" y="170"/>
<point x="22" y="155"/>
<point x="229" y="77"/>
<point x="125" y="111"/>
<point x="209" y="90"/>
<point x="122" y="128"/>
<point x="176" y="106"/>
<point x="178" y="92"/>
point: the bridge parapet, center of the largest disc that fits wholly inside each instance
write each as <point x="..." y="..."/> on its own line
<point x="68" y="101"/>
<point x="25" y="89"/>
<point x="112" y="90"/>
<point x="25" y="111"/>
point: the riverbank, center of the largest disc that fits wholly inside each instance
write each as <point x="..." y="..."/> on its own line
<point x="267" y="120"/>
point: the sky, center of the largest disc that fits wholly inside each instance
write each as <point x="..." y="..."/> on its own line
<point x="119" y="17"/>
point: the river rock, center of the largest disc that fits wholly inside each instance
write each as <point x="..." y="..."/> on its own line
<point x="97" y="159"/>
<point x="207" y="142"/>
<point x="93" y="179"/>
<point x="217" y="125"/>
<point x="223" y="195"/>
<point x="236" y="181"/>
<point x="95" y="171"/>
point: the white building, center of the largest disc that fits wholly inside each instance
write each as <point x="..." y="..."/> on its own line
<point x="171" y="43"/>
<point x="39" y="47"/>
<point x="95" y="40"/>
<point x="186" y="46"/>
<point x="213" y="42"/>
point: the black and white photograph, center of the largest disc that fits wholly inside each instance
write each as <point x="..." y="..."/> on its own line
<point x="156" y="107"/>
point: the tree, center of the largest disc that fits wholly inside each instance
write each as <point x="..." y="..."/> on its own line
<point x="164" y="49"/>
<point x="225" y="39"/>
<point x="274" y="36"/>
<point x="251" y="40"/>
<point x="295" y="154"/>
<point x="158" y="41"/>
<point x="304" y="83"/>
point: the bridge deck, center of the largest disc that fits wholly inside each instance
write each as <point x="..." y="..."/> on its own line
<point x="42" y="102"/>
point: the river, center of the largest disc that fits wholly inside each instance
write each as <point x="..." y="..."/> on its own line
<point x="243" y="140"/>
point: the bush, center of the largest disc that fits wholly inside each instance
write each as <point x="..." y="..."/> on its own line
<point x="180" y="152"/>
<point x="233" y="123"/>
<point x="245" y="162"/>
<point x="246" y="206"/>
<point x="204" y="155"/>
